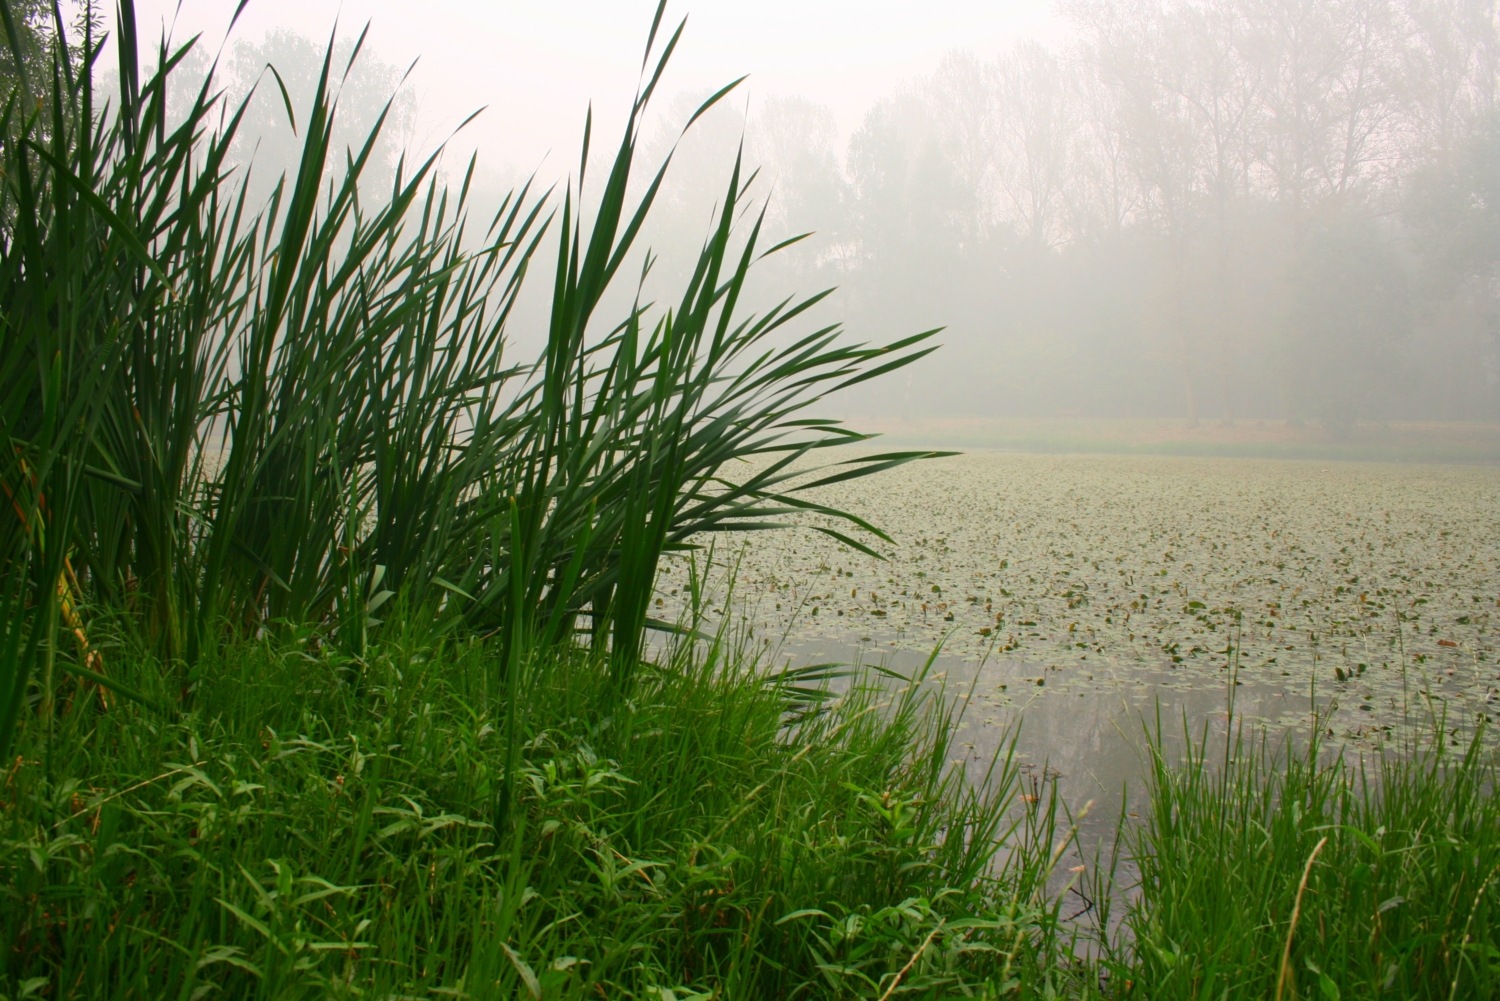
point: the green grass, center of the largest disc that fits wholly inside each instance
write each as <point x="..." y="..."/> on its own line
<point x="301" y="835"/>
<point x="1271" y="871"/>
<point x="319" y="828"/>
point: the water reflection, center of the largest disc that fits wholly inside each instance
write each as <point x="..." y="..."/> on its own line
<point x="1094" y="742"/>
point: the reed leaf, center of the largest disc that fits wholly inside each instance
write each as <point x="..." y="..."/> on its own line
<point x="257" y="417"/>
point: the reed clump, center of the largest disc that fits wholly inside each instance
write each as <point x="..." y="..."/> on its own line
<point x="1272" y="870"/>
<point x="225" y="418"/>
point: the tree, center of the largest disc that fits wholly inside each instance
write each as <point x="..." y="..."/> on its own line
<point x="32" y="21"/>
<point x="1133" y="52"/>
<point x="1350" y="310"/>
<point x="1450" y="74"/>
<point x="1035" y="121"/>
<point x="792" y="141"/>
<point x="1452" y="213"/>
<point x="366" y="87"/>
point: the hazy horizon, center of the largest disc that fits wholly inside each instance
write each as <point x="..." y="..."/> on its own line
<point x="536" y="68"/>
<point x="1217" y="210"/>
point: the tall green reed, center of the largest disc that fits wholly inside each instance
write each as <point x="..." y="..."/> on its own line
<point x="62" y="319"/>
<point x="1280" y="871"/>
<point x="236" y="417"/>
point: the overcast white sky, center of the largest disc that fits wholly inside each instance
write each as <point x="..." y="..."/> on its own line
<point x="536" y="65"/>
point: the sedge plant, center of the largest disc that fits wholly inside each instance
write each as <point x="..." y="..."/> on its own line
<point x="225" y="418"/>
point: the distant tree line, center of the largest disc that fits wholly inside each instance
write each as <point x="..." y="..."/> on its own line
<point x="1213" y="209"/>
<point x="266" y="145"/>
<point x="1208" y="209"/>
<point x="33" y="23"/>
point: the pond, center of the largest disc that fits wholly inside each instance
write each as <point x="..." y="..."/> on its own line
<point x="1081" y="595"/>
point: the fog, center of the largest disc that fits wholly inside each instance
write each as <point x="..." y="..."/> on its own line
<point x="1236" y="210"/>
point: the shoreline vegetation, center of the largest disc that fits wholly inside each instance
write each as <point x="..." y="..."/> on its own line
<point x="321" y="827"/>
<point x="363" y="710"/>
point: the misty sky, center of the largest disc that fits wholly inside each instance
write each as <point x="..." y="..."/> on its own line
<point x="537" y="65"/>
<point x="1218" y="208"/>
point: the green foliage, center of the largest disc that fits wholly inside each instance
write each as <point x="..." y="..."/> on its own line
<point x="1402" y="900"/>
<point x="297" y="835"/>
<point x="235" y="417"/>
<point x="318" y="826"/>
<point x="26" y="38"/>
<point x="238" y="436"/>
